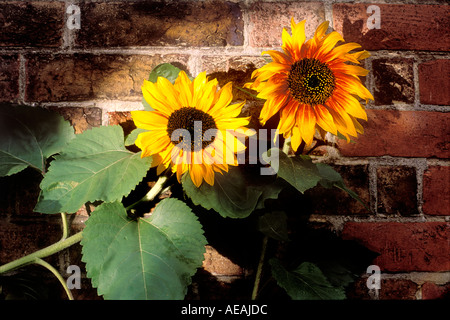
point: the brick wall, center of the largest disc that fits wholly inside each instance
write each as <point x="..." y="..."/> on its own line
<point x="400" y="165"/>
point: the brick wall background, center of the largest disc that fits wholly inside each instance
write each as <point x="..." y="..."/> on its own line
<point x="400" y="165"/>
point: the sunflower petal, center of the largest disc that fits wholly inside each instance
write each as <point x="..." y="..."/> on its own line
<point x="325" y="119"/>
<point x="306" y="121"/>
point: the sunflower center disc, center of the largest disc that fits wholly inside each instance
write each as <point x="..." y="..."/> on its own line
<point x="196" y="122"/>
<point x="311" y="81"/>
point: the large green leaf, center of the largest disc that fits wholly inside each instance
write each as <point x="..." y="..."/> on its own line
<point x="28" y="136"/>
<point x="299" y="171"/>
<point x="306" y="282"/>
<point x="147" y="258"/>
<point x="234" y="194"/>
<point x="94" y="166"/>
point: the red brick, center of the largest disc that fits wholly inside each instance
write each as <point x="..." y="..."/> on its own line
<point x="402" y="27"/>
<point x="64" y="77"/>
<point x="436" y="191"/>
<point x="432" y="291"/>
<point x="31" y="24"/>
<point x="407" y="247"/>
<point x="9" y="78"/>
<point x="390" y="289"/>
<point x="397" y="189"/>
<point x="394" y="81"/>
<point x="337" y="202"/>
<point x="267" y="20"/>
<point x="179" y="23"/>
<point x="401" y="134"/>
<point x="434" y="82"/>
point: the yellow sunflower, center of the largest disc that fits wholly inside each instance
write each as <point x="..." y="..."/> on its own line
<point x="312" y="86"/>
<point x="193" y="128"/>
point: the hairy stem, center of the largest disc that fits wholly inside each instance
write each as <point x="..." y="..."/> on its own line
<point x="49" y="267"/>
<point x="260" y="267"/>
<point x="153" y="193"/>
<point x="65" y="226"/>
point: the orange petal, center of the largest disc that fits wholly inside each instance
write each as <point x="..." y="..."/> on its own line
<point x="306" y="121"/>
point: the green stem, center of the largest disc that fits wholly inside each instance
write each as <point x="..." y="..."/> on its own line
<point x="153" y="193"/>
<point x="65" y="227"/>
<point x="248" y="92"/>
<point x="260" y="267"/>
<point x="52" y="249"/>
<point x="287" y="145"/>
<point x="41" y="262"/>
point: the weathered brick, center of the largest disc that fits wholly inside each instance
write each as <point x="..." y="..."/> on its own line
<point x="394" y="81"/>
<point x="397" y="189"/>
<point x="20" y="238"/>
<point x="433" y="291"/>
<point x="390" y="289"/>
<point x="267" y="20"/>
<point x="337" y="202"/>
<point x="402" y="26"/>
<point x="81" y="119"/>
<point x="409" y="246"/>
<point x="402" y="134"/>
<point x="9" y="78"/>
<point x="436" y="191"/>
<point x="31" y="24"/>
<point x="77" y="77"/>
<point x="218" y="265"/>
<point x="434" y="82"/>
<point x="179" y="23"/>
<point x="122" y="118"/>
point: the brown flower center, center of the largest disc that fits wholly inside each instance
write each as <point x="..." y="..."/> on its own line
<point x="311" y="81"/>
<point x="196" y="122"/>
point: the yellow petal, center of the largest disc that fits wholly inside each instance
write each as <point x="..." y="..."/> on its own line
<point x="184" y="88"/>
<point x="298" y="36"/>
<point x="288" y="116"/>
<point x="169" y="92"/>
<point x="351" y="105"/>
<point x="225" y="97"/>
<point x="324" y="119"/>
<point x="149" y="120"/>
<point x="157" y="101"/>
<point x="296" y="138"/>
<point x="306" y="121"/>
<point x="196" y="172"/>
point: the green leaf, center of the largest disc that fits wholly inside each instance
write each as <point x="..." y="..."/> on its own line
<point x="165" y="70"/>
<point x="306" y="282"/>
<point x="131" y="138"/>
<point x="233" y="194"/>
<point x="94" y="166"/>
<point x="299" y="171"/>
<point x="29" y="136"/>
<point x="147" y="258"/>
<point x="274" y="225"/>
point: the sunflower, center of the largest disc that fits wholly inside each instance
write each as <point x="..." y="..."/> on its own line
<point x="193" y="128"/>
<point x="312" y="86"/>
